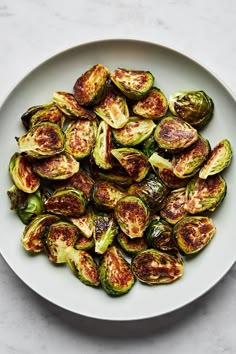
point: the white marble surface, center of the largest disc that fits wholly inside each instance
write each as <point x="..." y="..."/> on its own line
<point x="32" y="30"/>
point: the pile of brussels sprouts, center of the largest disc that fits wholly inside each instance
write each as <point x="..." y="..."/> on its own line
<point x="116" y="181"/>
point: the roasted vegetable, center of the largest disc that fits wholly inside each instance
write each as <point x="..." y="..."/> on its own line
<point x="106" y="195"/>
<point x="90" y="88"/>
<point x="159" y="235"/>
<point x="149" y="146"/>
<point x="134" y="84"/>
<point x="22" y="174"/>
<point x="42" y="140"/>
<point x="84" y="243"/>
<point x="67" y="201"/>
<point x="174" y="134"/>
<point x="131" y="246"/>
<point x="156" y="267"/>
<point x="113" y="110"/>
<point x="132" y="215"/>
<point x="205" y="194"/>
<point x="193" y="233"/>
<point x="153" y="106"/>
<point x="115" y="273"/>
<point x="34" y="234"/>
<point x="220" y="158"/>
<point x="133" y="161"/>
<point x="102" y="150"/>
<point x="174" y="209"/>
<point x="85" y="222"/>
<point x="105" y="230"/>
<point x="195" y="107"/>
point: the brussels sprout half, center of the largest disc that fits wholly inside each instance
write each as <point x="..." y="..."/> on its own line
<point x="193" y="233"/>
<point x="149" y="146"/>
<point x="106" y="195"/>
<point x="174" y="134"/>
<point x="113" y="110"/>
<point x="132" y="215"/>
<point x="156" y="267"/>
<point x="34" y="234"/>
<point x="220" y="158"/>
<point x="84" y="243"/>
<point x="153" y="106"/>
<point x="105" y="230"/>
<point x="133" y="161"/>
<point x="90" y="88"/>
<point x="134" y="84"/>
<point x="115" y="273"/>
<point x="159" y="235"/>
<point x="174" y="209"/>
<point x="85" y="222"/>
<point x="102" y="150"/>
<point x="68" y="201"/>
<point x="80" y="138"/>
<point x="195" y="107"/>
<point x="205" y="194"/>
<point x="131" y="246"/>
<point x="42" y="140"/>
<point x="22" y="174"/>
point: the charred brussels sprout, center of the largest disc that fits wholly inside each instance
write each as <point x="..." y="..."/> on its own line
<point x="193" y="233"/>
<point x="22" y="174"/>
<point x="149" y="146"/>
<point x="33" y="236"/>
<point x="159" y="235"/>
<point x="102" y="150"/>
<point x="105" y="230"/>
<point x="174" y="209"/>
<point x="80" y="138"/>
<point x="85" y="222"/>
<point x="195" y="107"/>
<point x="113" y="110"/>
<point x="59" y="237"/>
<point x="156" y="267"/>
<point x="58" y="167"/>
<point x="83" y="266"/>
<point x="69" y="201"/>
<point x="220" y="158"/>
<point x="84" y="243"/>
<point x="134" y="132"/>
<point x="205" y="194"/>
<point x="42" y="140"/>
<point x="132" y="215"/>
<point x="106" y="195"/>
<point x="67" y="103"/>
<point x="133" y="161"/>
<point x="115" y="273"/>
<point x="134" y="84"/>
<point x="90" y="88"/>
<point x="131" y="246"/>
<point x="151" y="190"/>
<point x="174" y="134"/>
<point x="153" y="106"/>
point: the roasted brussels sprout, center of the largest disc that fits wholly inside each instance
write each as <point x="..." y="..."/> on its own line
<point x="80" y="138"/>
<point x="84" y="243"/>
<point x="115" y="273"/>
<point x="151" y="190"/>
<point x="132" y="215"/>
<point x="85" y="222"/>
<point x="68" y="201"/>
<point x="134" y="132"/>
<point x="195" y="107"/>
<point x="131" y="246"/>
<point x="193" y="233"/>
<point x="83" y="266"/>
<point x="58" y="167"/>
<point x="133" y="161"/>
<point x="156" y="267"/>
<point x="22" y="174"/>
<point x="106" y="195"/>
<point x="27" y="205"/>
<point x="159" y="235"/>
<point x="149" y="146"/>
<point x="153" y="106"/>
<point x="34" y="234"/>
<point x="46" y="112"/>
<point x="220" y="158"/>
<point x="205" y="194"/>
<point x="174" y="209"/>
<point x="42" y="140"/>
<point x="113" y="110"/>
<point x="134" y="84"/>
<point x="174" y="134"/>
<point x="105" y="230"/>
<point x="67" y="103"/>
<point x="102" y="150"/>
<point x="90" y="88"/>
<point x="189" y="161"/>
<point x="59" y="236"/>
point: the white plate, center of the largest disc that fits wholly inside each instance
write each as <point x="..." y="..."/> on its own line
<point x="173" y="72"/>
